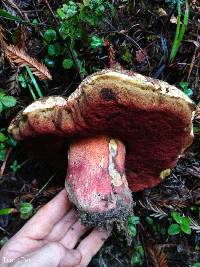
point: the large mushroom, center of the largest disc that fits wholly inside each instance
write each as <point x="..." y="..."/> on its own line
<point x="124" y="130"/>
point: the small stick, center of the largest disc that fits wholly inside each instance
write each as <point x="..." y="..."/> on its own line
<point x="3" y="166"/>
<point x="44" y="186"/>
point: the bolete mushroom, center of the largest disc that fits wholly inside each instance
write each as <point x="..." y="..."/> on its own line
<point x="124" y="131"/>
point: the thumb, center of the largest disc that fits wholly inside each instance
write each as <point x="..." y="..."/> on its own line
<point x="53" y="254"/>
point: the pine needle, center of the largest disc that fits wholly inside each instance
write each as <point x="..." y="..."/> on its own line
<point x="21" y="58"/>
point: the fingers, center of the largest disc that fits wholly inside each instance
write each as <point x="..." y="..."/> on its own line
<point x="60" y="229"/>
<point x="91" y="245"/>
<point x="44" y="220"/>
<point x="73" y="235"/>
<point x="51" y="255"/>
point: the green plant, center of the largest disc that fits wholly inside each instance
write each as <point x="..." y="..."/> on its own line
<point x="6" y="101"/>
<point x="138" y="255"/>
<point x="96" y="42"/>
<point x="172" y="3"/>
<point x="132" y="222"/>
<point x="73" y="15"/>
<point x="6" y="142"/>
<point x="50" y="35"/>
<point x="15" y="166"/>
<point x="26" y="210"/>
<point x="6" y="211"/>
<point x="180" y="30"/>
<point x="27" y="80"/>
<point x="182" y="224"/>
<point x="186" y="89"/>
<point x="197" y="264"/>
<point x="67" y="63"/>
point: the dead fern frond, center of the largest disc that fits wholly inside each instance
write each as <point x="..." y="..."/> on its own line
<point x="2" y="36"/>
<point x="20" y="57"/>
<point x="157" y="212"/>
<point x="157" y="256"/>
<point x="194" y="225"/>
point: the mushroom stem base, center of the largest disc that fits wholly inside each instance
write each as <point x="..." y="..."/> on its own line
<point x="96" y="181"/>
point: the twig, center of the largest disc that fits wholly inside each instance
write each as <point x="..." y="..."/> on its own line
<point x="132" y="40"/>
<point x="3" y="166"/>
<point x="5" y="231"/>
<point x="44" y="186"/>
<point x="51" y="11"/>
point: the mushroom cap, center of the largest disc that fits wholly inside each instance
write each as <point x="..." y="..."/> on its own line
<point x="151" y="117"/>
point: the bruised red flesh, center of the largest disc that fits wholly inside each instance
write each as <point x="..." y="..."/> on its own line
<point x="96" y="181"/>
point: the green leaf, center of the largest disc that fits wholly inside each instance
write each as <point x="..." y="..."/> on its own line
<point x="22" y="80"/>
<point x="69" y="10"/>
<point x="3" y="138"/>
<point x="11" y="141"/>
<point x="1" y="107"/>
<point x="195" y="264"/>
<point x="61" y="13"/>
<point x="26" y="210"/>
<point x="133" y="220"/>
<point x="188" y="92"/>
<point x="15" y="166"/>
<point x="149" y="220"/>
<point x="67" y="63"/>
<point x="177" y="216"/>
<point x="133" y="230"/>
<point x="50" y="35"/>
<point x="186" y="229"/>
<point x="54" y="50"/>
<point x="174" y="229"/>
<point x="3" y="152"/>
<point x="136" y="259"/>
<point x="96" y="42"/>
<point x="2" y="94"/>
<point x="185" y="225"/>
<point x="8" y="101"/>
<point x="186" y="221"/>
<point x="184" y="85"/>
<point x="99" y="10"/>
<point x="6" y="211"/>
<point x="140" y="250"/>
<point x="7" y="15"/>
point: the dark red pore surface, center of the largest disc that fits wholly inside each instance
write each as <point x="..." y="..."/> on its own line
<point x="154" y="137"/>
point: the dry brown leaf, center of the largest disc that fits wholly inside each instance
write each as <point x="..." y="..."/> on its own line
<point x="21" y="58"/>
<point x="141" y="55"/>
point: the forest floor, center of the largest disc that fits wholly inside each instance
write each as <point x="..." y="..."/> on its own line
<point x="74" y="39"/>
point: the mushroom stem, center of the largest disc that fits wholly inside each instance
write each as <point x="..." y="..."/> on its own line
<point x="96" y="180"/>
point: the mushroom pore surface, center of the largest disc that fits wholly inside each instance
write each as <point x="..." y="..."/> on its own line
<point x="96" y="181"/>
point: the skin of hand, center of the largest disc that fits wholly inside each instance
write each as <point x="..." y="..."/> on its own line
<point x="48" y="239"/>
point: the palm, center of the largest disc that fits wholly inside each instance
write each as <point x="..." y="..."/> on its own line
<point x="55" y="222"/>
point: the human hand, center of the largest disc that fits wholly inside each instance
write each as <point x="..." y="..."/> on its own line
<point x="49" y="237"/>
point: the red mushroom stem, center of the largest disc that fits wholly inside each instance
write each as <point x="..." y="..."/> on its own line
<point x="96" y="180"/>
